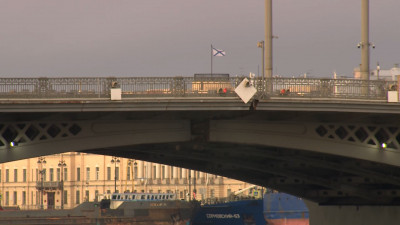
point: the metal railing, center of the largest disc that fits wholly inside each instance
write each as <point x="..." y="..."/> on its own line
<point x="135" y="87"/>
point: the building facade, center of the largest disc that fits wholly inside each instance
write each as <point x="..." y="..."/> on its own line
<point x="41" y="182"/>
<point x="381" y="74"/>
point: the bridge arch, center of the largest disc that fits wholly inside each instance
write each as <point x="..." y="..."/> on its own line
<point x="33" y="139"/>
<point x="352" y="140"/>
<point x="325" y="157"/>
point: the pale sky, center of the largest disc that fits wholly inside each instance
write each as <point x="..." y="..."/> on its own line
<point x="73" y="38"/>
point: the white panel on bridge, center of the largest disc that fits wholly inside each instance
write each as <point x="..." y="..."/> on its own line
<point x="393" y="96"/>
<point x="245" y="90"/>
<point x="115" y="93"/>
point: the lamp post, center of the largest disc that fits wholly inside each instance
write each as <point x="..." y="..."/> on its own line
<point x="132" y="163"/>
<point x="190" y="180"/>
<point x="377" y="71"/>
<point x="115" y="160"/>
<point x="62" y="164"/>
<point x="260" y="44"/>
<point x="41" y="161"/>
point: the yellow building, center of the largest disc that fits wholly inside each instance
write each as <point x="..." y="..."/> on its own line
<point x="211" y="84"/>
<point x="40" y="182"/>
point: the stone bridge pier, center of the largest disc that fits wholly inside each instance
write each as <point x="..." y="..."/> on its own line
<point x="353" y="215"/>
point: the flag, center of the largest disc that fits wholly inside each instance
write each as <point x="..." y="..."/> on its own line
<point x="218" y="52"/>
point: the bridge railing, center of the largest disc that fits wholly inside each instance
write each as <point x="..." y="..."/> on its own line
<point x="135" y="87"/>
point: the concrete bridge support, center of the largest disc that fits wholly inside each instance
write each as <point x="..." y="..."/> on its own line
<point x="353" y="215"/>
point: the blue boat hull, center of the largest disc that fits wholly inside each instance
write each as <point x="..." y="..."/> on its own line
<point x="245" y="212"/>
<point x="274" y="209"/>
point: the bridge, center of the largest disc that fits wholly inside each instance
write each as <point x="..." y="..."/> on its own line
<point x="332" y="142"/>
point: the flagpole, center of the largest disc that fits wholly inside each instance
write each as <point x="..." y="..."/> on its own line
<point x="211" y="58"/>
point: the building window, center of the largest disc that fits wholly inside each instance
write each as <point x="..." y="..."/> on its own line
<point x="172" y="172"/>
<point x="96" y="194"/>
<point x="117" y="173"/>
<point x="87" y="173"/>
<point x="65" y="174"/>
<point x="7" y="175"/>
<point x="97" y="173"/>
<point x="37" y="198"/>
<point x="24" y="198"/>
<point x="58" y="174"/>
<point x="154" y="172"/>
<point x="86" y="195"/>
<point x="135" y="169"/>
<point x="163" y="172"/>
<point x="7" y="198"/>
<point x="15" y="199"/>
<point x="77" y="200"/>
<point x="0" y="176"/>
<point x="65" y="197"/>
<point x="108" y="173"/>
<point x="212" y="194"/>
<point x="180" y="173"/>
<point x="78" y="174"/>
<point x="128" y="173"/>
<point x="44" y="175"/>
<point x="24" y="175"/>
<point x="51" y="174"/>
<point x="15" y="175"/>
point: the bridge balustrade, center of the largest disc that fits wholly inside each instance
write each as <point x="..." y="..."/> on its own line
<point x="140" y="87"/>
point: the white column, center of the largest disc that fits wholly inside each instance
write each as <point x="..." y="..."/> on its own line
<point x="167" y="171"/>
<point x="158" y="171"/>
<point x="184" y="172"/>
<point x="140" y="169"/>
<point x="149" y="170"/>
<point x="175" y="172"/>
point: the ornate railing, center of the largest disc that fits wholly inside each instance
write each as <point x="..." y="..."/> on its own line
<point x="135" y="87"/>
<point x="48" y="185"/>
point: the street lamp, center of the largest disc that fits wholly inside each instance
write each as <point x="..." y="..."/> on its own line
<point x="132" y="163"/>
<point x="115" y="160"/>
<point x="377" y="71"/>
<point x="143" y="182"/>
<point x="260" y="44"/>
<point x="41" y="161"/>
<point x="62" y="164"/>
